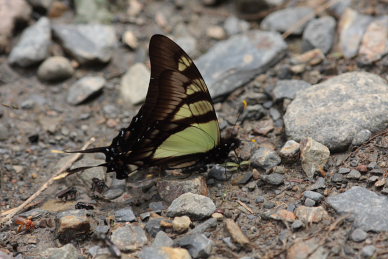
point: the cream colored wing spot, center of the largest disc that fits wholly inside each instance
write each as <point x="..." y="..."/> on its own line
<point x="198" y="138"/>
<point x="193" y="88"/>
<point x="184" y="63"/>
<point x="183" y="112"/>
<point x="200" y="108"/>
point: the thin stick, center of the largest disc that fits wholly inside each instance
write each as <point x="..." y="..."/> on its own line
<point x="306" y="18"/>
<point x="12" y="212"/>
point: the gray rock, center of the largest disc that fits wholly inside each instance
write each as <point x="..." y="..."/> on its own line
<point x="219" y="173"/>
<point x="289" y="88"/>
<point x="313" y="156"/>
<point x="153" y="226"/>
<point x="334" y="119"/>
<point x="90" y="11"/>
<point x="320" y="33"/>
<point x="117" y="188"/>
<point x="33" y="45"/>
<point x="125" y="215"/>
<point x="352" y="27"/>
<point x="129" y="238"/>
<point x="254" y="112"/>
<point x="103" y="229"/>
<point x="86" y="177"/>
<point x="204" y="226"/>
<point x="243" y="56"/>
<point x="260" y="199"/>
<point x="367" y="208"/>
<point x="198" y="245"/>
<point x="343" y="170"/>
<point x="5" y="132"/>
<point x="87" y="43"/>
<point x="157" y="206"/>
<point x="319" y="184"/>
<point x="309" y="202"/>
<point x="72" y="225"/>
<point x="162" y="239"/>
<point x="65" y="252"/>
<point x="339" y="7"/>
<point x="354" y="174"/>
<point x="358" y="235"/>
<point x="134" y="83"/>
<point x="337" y="178"/>
<point x="316" y="196"/>
<point x="368" y="251"/>
<point x="297" y="224"/>
<point x="284" y="19"/>
<point x="269" y="205"/>
<point x="361" y="137"/>
<point x="274" y="113"/>
<point x="290" y="150"/>
<point x="164" y="253"/>
<point x="193" y="205"/>
<point x="55" y="69"/>
<point x="274" y="178"/>
<point x="265" y="158"/>
<point x="188" y="44"/>
<point x="84" y="88"/>
<point x="233" y="25"/>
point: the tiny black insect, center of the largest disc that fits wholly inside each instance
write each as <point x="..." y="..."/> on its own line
<point x="83" y="205"/>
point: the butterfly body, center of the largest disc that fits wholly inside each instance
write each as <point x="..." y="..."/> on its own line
<point x="177" y="126"/>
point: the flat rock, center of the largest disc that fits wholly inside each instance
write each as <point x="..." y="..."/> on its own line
<point x="129" y="238"/>
<point x="199" y="245"/>
<point x="290" y="150"/>
<point x="352" y="27"/>
<point x="11" y="12"/>
<point x="65" y="252"/>
<point x="134" y="83"/>
<point x="288" y="88"/>
<point x="193" y="205"/>
<point x="125" y="215"/>
<point x="55" y="69"/>
<point x="162" y="239"/>
<point x="90" y="11"/>
<point x="164" y="253"/>
<point x="334" y="111"/>
<point x="374" y="44"/>
<point x="244" y="56"/>
<point x="284" y="19"/>
<point x="320" y="33"/>
<point x="313" y="156"/>
<point x="33" y="45"/>
<point x="87" y="43"/>
<point x="311" y="214"/>
<point x="84" y="88"/>
<point x="236" y="233"/>
<point x="367" y="208"/>
<point x="265" y="158"/>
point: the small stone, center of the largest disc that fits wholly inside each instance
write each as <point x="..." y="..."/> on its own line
<point x="344" y="170"/>
<point x="319" y="184"/>
<point x="134" y="84"/>
<point x="117" y="188"/>
<point x="368" y="251"/>
<point x="130" y="39"/>
<point x="309" y="202"/>
<point x="55" y="69"/>
<point x="216" y="32"/>
<point x="219" y="173"/>
<point x="288" y="89"/>
<point x="260" y="199"/>
<point x="73" y="225"/>
<point x="157" y="206"/>
<point x="283" y="215"/>
<point x="319" y="33"/>
<point x="373" y="179"/>
<point x="316" y="196"/>
<point x="312" y="57"/>
<point x="193" y="205"/>
<point x="274" y="113"/>
<point x="204" y="226"/>
<point x="361" y="137"/>
<point x="314" y="156"/>
<point x="67" y="252"/>
<point x="164" y="253"/>
<point x="358" y="235"/>
<point x="162" y="239"/>
<point x="381" y="182"/>
<point x="274" y="178"/>
<point x="297" y="224"/>
<point x="354" y="163"/>
<point x="233" y="25"/>
<point x="354" y="174"/>
<point x="218" y="216"/>
<point x="236" y="233"/>
<point x="103" y="229"/>
<point x="5" y="132"/>
<point x="125" y="215"/>
<point x="376" y="171"/>
<point x="311" y="214"/>
<point x="269" y="205"/>
<point x="188" y="44"/>
<point x="153" y="226"/>
<point x="129" y="238"/>
<point x="199" y="245"/>
<point x="84" y="88"/>
<point x="251" y="186"/>
<point x="242" y="179"/>
<point x="301" y="247"/>
<point x="181" y="224"/>
<point x="265" y="158"/>
<point x="372" y="165"/>
<point x="337" y="178"/>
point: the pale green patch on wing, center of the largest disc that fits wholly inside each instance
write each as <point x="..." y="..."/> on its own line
<point x="198" y="138"/>
<point x="184" y="63"/>
<point x="200" y="108"/>
<point x="183" y="112"/>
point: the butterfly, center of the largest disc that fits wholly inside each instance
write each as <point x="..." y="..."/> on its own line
<point x="176" y="127"/>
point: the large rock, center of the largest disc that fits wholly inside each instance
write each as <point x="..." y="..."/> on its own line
<point x="334" y="111"/>
<point x="235" y="61"/>
<point x="33" y="46"/>
<point x="134" y="83"/>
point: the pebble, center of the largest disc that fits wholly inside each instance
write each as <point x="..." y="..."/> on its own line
<point x="216" y="32"/>
<point x="362" y="203"/>
<point x="88" y="174"/>
<point x="311" y="57"/>
<point x="301" y="247"/>
<point x="372" y="165"/>
<point x="238" y="67"/>
<point x="337" y="178"/>
<point x="170" y="189"/>
<point x="358" y="235"/>
<point x="290" y="150"/>
<point x="219" y="173"/>
<point x="33" y="45"/>
<point x="93" y="12"/>
<point x="73" y="225"/>
<point x="309" y="202"/>
<point x="210" y="223"/>
<point x="193" y="205"/>
<point x="87" y="43"/>
<point x="129" y="238"/>
<point x="274" y="113"/>
<point x="55" y="69"/>
<point x="320" y="33"/>
<point x="157" y="206"/>
<point x="5" y="132"/>
<point x="368" y="251"/>
<point x="67" y="251"/>
<point x="316" y="196"/>
<point x="260" y="199"/>
<point x="199" y="245"/>
<point x="361" y="137"/>
<point x="116" y="189"/>
<point x="162" y="239"/>
<point x="265" y="158"/>
<point x="354" y="174"/>
<point x="153" y="226"/>
<point x="84" y="88"/>
<point x="269" y="205"/>
<point x="319" y="184"/>
<point x="164" y="253"/>
<point x="236" y="233"/>
<point x="313" y="156"/>
<point x="233" y="25"/>
<point x="343" y="170"/>
<point x="297" y="224"/>
<point x="242" y="179"/>
<point x="311" y="214"/>
<point x="125" y="215"/>
<point x="254" y="112"/>
<point x="352" y="27"/>
<point x="381" y="182"/>
<point x="274" y="179"/>
<point x="317" y="104"/>
<point x="288" y="89"/>
<point x="134" y="83"/>
<point x="284" y="19"/>
<point x="103" y="229"/>
<point x="283" y="215"/>
<point x="218" y="216"/>
<point x="181" y="224"/>
<point x="130" y="39"/>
